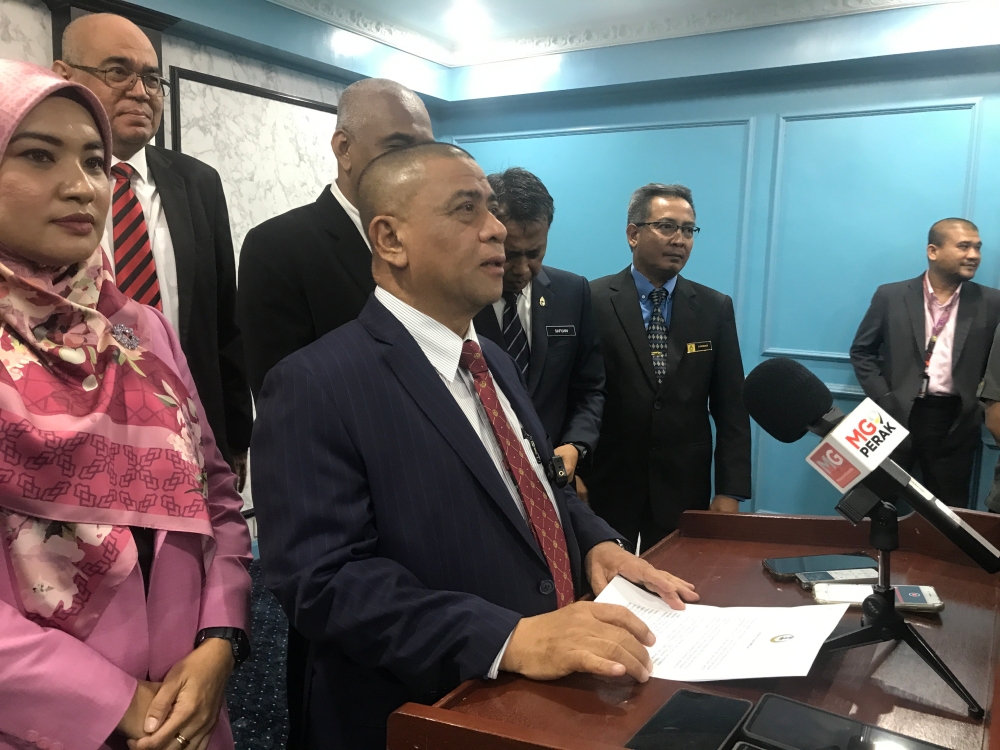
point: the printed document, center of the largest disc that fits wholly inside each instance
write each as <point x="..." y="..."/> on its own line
<point x="703" y="643"/>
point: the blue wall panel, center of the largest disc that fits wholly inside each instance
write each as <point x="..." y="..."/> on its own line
<point x="592" y="173"/>
<point x="808" y="196"/>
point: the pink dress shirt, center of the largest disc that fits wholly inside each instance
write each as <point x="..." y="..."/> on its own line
<point x="939" y="371"/>
<point x="61" y="693"/>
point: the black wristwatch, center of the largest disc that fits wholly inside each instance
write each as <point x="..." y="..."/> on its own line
<point x="582" y="449"/>
<point x="237" y="640"/>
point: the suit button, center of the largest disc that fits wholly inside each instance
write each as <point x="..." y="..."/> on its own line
<point x="31" y="736"/>
<point x="546" y="587"/>
<point x="657" y="404"/>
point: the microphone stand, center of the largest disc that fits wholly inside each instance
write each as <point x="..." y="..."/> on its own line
<point x="881" y="622"/>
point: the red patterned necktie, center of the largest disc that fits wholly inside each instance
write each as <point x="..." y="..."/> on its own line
<point x="135" y="270"/>
<point x="542" y="516"/>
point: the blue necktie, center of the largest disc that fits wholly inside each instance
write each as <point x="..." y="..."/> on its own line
<point x="514" y="336"/>
<point x="656" y="334"/>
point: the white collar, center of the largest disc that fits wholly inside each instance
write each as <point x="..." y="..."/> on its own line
<point x="351" y="210"/>
<point x="441" y="345"/>
<point x="138" y="162"/>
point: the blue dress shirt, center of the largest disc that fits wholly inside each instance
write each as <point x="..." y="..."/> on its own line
<point x="645" y="288"/>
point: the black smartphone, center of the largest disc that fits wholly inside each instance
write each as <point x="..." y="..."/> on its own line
<point x="692" y="721"/>
<point x="782" y="724"/>
<point x="785" y="568"/>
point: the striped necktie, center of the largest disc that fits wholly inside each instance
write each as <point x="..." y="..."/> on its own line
<point x="514" y="337"/>
<point x="656" y="334"/>
<point x="544" y="522"/>
<point x="135" y="269"/>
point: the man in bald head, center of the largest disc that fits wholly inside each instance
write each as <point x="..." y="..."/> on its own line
<point x="308" y="271"/>
<point x="168" y="237"/>
<point x="408" y="525"/>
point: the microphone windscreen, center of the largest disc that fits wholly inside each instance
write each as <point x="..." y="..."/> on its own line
<point x="785" y="398"/>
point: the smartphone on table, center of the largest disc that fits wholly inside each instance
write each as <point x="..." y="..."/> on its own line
<point x="692" y="721"/>
<point x="859" y="575"/>
<point x="908" y="598"/>
<point x="785" y="568"/>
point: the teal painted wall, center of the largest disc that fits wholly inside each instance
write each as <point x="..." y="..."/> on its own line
<point x="809" y="196"/>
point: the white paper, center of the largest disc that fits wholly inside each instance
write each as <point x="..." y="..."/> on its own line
<point x="702" y="643"/>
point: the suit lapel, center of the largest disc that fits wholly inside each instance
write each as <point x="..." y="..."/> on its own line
<point x="352" y="251"/>
<point x="913" y="298"/>
<point x="968" y="309"/>
<point x="539" y="320"/>
<point x="177" y="209"/>
<point x="625" y="301"/>
<point x="421" y="381"/>
<point x="683" y="323"/>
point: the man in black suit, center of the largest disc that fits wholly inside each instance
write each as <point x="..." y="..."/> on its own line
<point x="672" y="357"/>
<point x="921" y="352"/>
<point x="309" y="270"/>
<point x="545" y="322"/>
<point x="407" y="524"/>
<point x="168" y="238"/>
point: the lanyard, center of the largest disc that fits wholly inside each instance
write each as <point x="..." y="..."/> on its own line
<point x="941" y="322"/>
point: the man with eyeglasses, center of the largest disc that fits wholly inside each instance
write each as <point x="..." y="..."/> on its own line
<point x="168" y="236"/>
<point x="672" y="357"/>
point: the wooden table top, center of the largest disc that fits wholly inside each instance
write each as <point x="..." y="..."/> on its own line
<point x="886" y="685"/>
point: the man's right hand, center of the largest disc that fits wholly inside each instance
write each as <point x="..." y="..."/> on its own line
<point x="603" y="639"/>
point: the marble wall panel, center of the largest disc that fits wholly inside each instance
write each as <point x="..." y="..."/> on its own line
<point x="25" y="31"/>
<point x="272" y="156"/>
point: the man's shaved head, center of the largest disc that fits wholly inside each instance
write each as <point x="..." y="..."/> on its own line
<point x="939" y="230"/>
<point x="953" y="251"/>
<point x="389" y="181"/>
<point x="375" y="116"/>
<point x="100" y="42"/>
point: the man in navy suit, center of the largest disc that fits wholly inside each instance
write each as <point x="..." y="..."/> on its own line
<point x="406" y="522"/>
<point x="545" y="323"/>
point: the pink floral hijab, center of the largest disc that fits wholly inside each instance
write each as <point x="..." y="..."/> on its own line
<point x="96" y="432"/>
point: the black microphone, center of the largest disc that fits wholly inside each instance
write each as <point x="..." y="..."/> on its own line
<point x="787" y="401"/>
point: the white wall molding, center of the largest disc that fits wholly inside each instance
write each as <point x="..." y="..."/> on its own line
<point x="692" y="17"/>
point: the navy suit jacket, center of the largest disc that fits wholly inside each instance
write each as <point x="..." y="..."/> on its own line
<point x="386" y="532"/>
<point x="566" y="373"/>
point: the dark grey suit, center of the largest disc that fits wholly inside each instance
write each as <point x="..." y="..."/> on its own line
<point x="888" y="358"/>
<point x="566" y="373"/>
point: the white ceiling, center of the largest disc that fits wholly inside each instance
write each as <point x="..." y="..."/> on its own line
<point x="465" y="32"/>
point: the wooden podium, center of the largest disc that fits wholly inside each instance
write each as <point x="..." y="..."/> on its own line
<point x="886" y="685"/>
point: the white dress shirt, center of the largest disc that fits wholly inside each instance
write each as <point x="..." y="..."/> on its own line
<point x="443" y="347"/>
<point x="523" y="311"/>
<point x="159" y="234"/>
<point x="351" y="210"/>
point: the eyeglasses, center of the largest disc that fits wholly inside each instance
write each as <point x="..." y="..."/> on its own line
<point x="668" y="228"/>
<point x="123" y="79"/>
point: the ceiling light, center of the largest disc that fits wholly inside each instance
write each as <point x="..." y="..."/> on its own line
<point x="467" y="22"/>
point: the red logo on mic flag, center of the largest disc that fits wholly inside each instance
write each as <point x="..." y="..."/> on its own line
<point x="829" y="460"/>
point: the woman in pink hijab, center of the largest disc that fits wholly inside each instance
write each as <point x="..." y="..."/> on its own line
<point x="124" y="589"/>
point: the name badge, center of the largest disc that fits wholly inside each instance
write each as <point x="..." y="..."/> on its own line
<point x="560" y="330"/>
<point x="699" y="346"/>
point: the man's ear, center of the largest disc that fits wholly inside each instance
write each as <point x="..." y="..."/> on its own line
<point x="932" y="252"/>
<point x="341" y="145"/>
<point x="632" y="235"/>
<point x="62" y="69"/>
<point x="383" y="231"/>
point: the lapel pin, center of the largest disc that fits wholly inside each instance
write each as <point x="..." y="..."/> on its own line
<point x="541" y="301"/>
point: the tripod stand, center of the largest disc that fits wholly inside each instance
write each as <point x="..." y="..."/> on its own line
<point x="881" y="622"/>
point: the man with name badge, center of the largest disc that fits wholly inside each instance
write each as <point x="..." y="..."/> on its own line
<point x="672" y="358"/>
<point x="545" y="322"/>
<point x="920" y="353"/>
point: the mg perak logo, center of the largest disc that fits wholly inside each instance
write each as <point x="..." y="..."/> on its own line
<point x="829" y="460"/>
<point x="870" y="433"/>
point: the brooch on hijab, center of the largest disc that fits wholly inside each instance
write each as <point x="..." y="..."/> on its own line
<point x="125" y="336"/>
